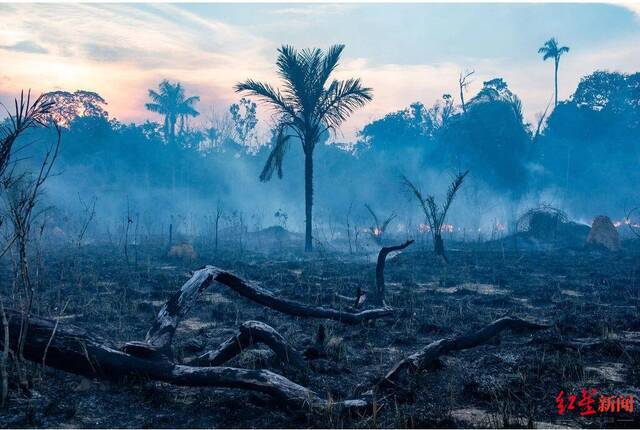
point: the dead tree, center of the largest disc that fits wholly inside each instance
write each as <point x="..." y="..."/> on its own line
<point x="427" y="356"/>
<point x="434" y="215"/>
<point x="377" y="230"/>
<point x="75" y="350"/>
<point x="22" y="192"/>
<point x="162" y="331"/>
<point x="463" y="83"/>
<point x="378" y="297"/>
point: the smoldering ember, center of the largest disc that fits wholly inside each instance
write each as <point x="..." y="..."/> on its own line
<point x="326" y="215"/>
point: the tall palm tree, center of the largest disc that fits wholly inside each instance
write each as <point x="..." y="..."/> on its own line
<point x="170" y="101"/>
<point x="308" y="106"/>
<point x="550" y="49"/>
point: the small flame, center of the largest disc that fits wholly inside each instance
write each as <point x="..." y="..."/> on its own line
<point x="447" y="228"/>
<point x="625" y="221"/>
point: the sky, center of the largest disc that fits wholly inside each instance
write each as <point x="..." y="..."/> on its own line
<point x="405" y="52"/>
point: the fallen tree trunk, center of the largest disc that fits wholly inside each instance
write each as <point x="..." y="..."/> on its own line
<point x="260" y="295"/>
<point x="378" y="297"/>
<point x="75" y="350"/>
<point x="158" y="339"/>
<point x="430" y="353"/>
<point x="252" y="332"/>
<point x="179" y="304"/>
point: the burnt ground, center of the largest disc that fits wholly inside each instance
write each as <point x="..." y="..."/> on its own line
<point x="509" y="382"/>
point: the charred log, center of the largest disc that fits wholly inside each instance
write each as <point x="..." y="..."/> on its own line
<point x="428" y="355"/>
<point x="75" y="350"/>
<point x="265" y="297"/>
<point x="251" y="333"/>
<point x="163" y="328"/>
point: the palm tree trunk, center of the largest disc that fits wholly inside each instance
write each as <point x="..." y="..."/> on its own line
<point x="167" y="136"/>
<point x="172" y="128"/>
<point x="308" y="198"/>
<point x="438" y="244"/>
<point x="556" y="83"/>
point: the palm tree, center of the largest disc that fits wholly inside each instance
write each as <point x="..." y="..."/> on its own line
<point x="170" y="101"/>
<point x="550" y="49"/>
<point x="307" y="107"/>
<point x="434" y="215"/>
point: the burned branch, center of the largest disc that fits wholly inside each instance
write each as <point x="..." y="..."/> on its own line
<point x="251" y="333"/>
<point x="77" y="351"/>
<point x="463" y="83"/>
<point x="264" y="297"/>
<point x="159" y="337"/>
<point x="422" y="359"/>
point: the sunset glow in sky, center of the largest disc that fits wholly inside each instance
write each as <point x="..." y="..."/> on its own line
<point x="406" y="53"/>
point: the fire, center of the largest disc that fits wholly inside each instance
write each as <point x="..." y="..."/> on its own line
<point x="377" y="232"/>
<point x="424" y="228"/>
<point x="500" y="226"/>
<point x="625" y="221"/>
<point x="448" y="228"/>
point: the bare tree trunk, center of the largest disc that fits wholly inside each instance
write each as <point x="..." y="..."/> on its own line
<point x="555" y="75"/>
<point x="308" y="199"/>
<point x="438" y="245"/>
<point x="378" y="297"/>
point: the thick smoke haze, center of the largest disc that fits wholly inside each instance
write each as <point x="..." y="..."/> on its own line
<point x="581" y="162"/>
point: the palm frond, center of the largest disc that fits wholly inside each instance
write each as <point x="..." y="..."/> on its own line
<point x="330" y="62"/>
<point x="373" y="214"/>
<point x="451" y="193"/>
<point x="267" y="94"/>
<point x="294" y="73"/>
<point x="385" y="224"/>
<point x="418" y="194"/>
<point x="154" y="107"/>
<point x="155" y="96"/>
<point x="435" y="221"/>
<point x="341" y="99"/>
<point x="274" y="162"/>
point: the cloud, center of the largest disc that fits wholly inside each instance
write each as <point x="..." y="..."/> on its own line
<point x="121" y="50"/>
<point x="631" y="5"/>
<point x="310" y="10"/>
<point x="26" y="46"/>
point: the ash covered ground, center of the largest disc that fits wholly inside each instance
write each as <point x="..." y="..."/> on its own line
<point x="589" y="296"/>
